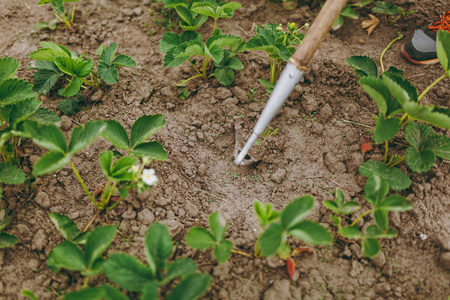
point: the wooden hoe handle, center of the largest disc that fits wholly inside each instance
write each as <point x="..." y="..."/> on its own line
<point x="321" y="25"/>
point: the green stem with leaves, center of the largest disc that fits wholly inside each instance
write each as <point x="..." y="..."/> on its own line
<point x="84" y="185"/>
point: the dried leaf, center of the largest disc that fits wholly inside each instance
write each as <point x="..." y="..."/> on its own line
<point x="302" y="250"/>
<point x="366" y="147"/>
<point x="370" y="24"/>
<point x="290" y="263"/>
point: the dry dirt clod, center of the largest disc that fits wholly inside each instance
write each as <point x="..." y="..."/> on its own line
<point x="146" y="217"/>
<point x="445" y="260"/>
<point x="39" y="241"/>
<point x="279" y="290"/>
<point x="379" y="260"/>
<point x="278" y="176"/>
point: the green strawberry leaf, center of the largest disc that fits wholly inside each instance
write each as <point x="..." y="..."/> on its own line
<point x="311" y="233"/>
<point x="66" y="255"/>
<point x="122" y="60"/>
<point x="386" y="129"/>
<point x="10" y="174"/>
<point x="127" y="272"/>
<point x="370" y="247"/>
<point x="73" y="87"/>
<point x="48" y="136"/>
<point x="199" y="238"/>
<point x="271" y="239"/>
<point x="222" y="251"/>
<point x="350" y="232"/>
<point x="8" y="67"/>
<point x="296" y="211"/>
<point x="397" y="179"/>
<point x="46" y="76"/>
<point x="151" y="150"/>
<point x="442" y="49"/>
<point x="192" y="287"/>
<point x="145" y="127"/>
<point x="97" y="243"/>
<point x="50" y="162"/>
<point x="108" y="73"/>
<point x="15" y="90"/>
<point x="395" y="203"/>
<point x="84" y="135"/>
<point x="420" y="160"/>
<point x="116" y="134"/>
<point x="158" y="247"/>
<point x="65" y="226"/>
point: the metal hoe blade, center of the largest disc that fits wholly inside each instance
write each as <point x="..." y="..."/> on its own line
<point x="294" y="70"/>
<point x="290" y="76"/>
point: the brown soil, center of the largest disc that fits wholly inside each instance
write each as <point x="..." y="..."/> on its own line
<point x="314" y="152"/>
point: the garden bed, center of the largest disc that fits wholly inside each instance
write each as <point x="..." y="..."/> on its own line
<point x="316" y="150"/>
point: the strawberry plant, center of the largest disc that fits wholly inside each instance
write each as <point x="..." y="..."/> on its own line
<point x="278" y="44"/>
<point x="340" y="207"/>
<point x="89" y="262"/>
<point x="18" y="103"/>
<point x="6" y="239"/>
<point x="292" y="222"/>
<point x="123" y="175"/>
<point x="376" y="191"/>
<point x="265" y="215"/>
<point x="275" y="228"/>
<point x="396" y="95"/>
<point x="54" y="61"/>
<point x="130" y="274"/>
<point x="200" y="238"/>
<point x="391" y="12"/>
<point x="60" y="12"/>
<point x="188" y="45"/>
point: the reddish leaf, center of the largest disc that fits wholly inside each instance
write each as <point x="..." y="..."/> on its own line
<point x="290" y="263"/>
<point x="366" y="147"/>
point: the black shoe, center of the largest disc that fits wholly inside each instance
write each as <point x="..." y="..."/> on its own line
<point x="420" y="48"/>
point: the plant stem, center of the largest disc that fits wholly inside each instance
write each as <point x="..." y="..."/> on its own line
<point x="361" y="216"/>
<point x="204" y="66"/>
<point x="399" y="37"/>
<point x="215" y="23"/>
<point x="430" y="86"/>
<point x="196" y="70"/>
<point x="396" y="162"/>
<point x="73" y="13"/>
<point x="84" y="185"/>
<point x="105" y="204"/>
<point x="88" y="82"/>
<point x="91" y="221"/>
<point x="386" y="148"/>
<point x="183" y="83"/>
<point x="115" y="204"/>
<point x="86" y="281"/>
<point x="241" y="253"/>
<point x="273" y="66"/>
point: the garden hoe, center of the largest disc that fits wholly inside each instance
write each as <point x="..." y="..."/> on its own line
<point x="292" y="73"/>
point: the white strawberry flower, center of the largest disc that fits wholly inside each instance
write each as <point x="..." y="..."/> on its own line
<point x="149" y="177"/>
